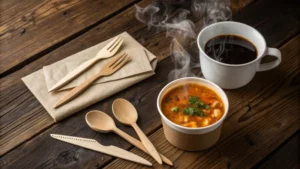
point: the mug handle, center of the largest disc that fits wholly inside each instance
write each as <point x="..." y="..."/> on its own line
<point x="267" y="66"/>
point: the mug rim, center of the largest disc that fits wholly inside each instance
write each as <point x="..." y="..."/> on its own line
<point x="226" y="64"/>
<point x="217" y="123"/>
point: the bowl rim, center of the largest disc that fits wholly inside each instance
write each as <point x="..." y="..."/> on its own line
<point x="199" y="80"/>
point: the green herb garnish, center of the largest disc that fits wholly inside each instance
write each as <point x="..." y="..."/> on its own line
<point x="175" y="109"/>
<point x="193" y="111"/>
<point x="195" y="101"/>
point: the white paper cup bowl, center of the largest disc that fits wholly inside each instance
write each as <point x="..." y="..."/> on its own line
<point x="192" y="139"/>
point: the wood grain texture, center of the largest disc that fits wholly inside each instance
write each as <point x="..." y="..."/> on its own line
<point x="61" y="155"/>
<point x="21" y="114"/>
<point x="30" y="27"/>
<point x="252" y="129"/>
<point x="286" y="156"/>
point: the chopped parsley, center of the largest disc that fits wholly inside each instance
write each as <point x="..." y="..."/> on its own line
<point x="175" y="109"/>
<point x="193" y="111"/>
<point x="194" y="108"/>
<point x="195" y="101"/>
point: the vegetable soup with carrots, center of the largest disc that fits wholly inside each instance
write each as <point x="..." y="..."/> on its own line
<point x="192" y="105"/>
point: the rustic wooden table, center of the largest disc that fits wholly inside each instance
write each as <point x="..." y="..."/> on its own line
<point x="261" y="130"/>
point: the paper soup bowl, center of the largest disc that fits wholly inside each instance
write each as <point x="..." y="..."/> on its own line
<point x="192" y="139"/>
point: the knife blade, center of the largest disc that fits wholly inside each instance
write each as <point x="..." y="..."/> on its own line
<point x="96" y="146"/>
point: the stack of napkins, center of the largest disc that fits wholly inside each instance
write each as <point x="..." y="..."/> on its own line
<point x="142" y="65"/>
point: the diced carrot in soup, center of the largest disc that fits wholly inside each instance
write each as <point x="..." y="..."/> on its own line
<point x="192" y="105"/>
<point x="208" y="100"/>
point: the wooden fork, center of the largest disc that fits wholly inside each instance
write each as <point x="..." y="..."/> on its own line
<point x="108" y="69"/>
<point x="108" y="51"/>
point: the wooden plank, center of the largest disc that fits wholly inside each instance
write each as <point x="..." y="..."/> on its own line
<point x="249" y="135"/>
<point x="287" y="156"/>
<point x="23" y="117"/>
<point x="28" y="28"/>
<point x="75" y="125"/>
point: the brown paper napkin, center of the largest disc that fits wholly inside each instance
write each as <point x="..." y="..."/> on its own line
<point x="141" y="66"/>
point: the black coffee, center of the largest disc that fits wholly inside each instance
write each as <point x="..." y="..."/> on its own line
<point x="230" y="49"/>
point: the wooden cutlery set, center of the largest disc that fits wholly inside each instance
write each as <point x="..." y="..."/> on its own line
<point x="123" y="110"/>
<point x="99" y="121"/>
<point x="108" y="69"/>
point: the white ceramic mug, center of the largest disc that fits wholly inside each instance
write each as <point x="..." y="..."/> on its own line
<point x="231" y="76"/>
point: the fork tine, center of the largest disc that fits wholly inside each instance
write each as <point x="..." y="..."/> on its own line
<point x="116" y="45"/>
<point x="111" y="42"/>
<point x="114" y="60"/>
<point x="121" y="63"/>
<point x="118" y="61"/>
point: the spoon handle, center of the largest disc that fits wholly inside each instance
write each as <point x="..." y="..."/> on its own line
<point x="147" y="143"/>
<point x="138" y="144"/>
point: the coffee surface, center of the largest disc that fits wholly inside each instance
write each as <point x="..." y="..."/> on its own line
<point x="230" y="49"/>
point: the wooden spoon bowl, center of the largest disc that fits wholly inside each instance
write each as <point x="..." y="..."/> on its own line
<point x="124" y="111"/>
<point x="100" y="121"/>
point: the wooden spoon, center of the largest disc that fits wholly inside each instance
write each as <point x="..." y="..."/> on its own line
<point x="101" y="122"/>
<point x="125" y="112"/>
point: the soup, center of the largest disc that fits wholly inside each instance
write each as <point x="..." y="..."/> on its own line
<point x="192" y="105"/>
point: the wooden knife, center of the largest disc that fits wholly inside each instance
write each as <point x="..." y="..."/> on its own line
<point x="94" y="145"/>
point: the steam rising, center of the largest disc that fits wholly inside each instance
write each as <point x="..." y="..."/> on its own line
<point x="182" y="21"/>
